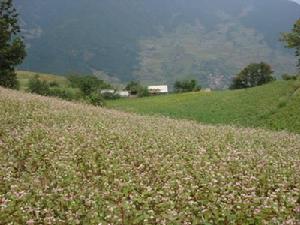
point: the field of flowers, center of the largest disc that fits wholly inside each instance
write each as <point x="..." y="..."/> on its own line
<point x="67" y="163"/>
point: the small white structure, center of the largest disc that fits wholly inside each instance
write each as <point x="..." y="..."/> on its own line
<point x="207" y="90"/>
<point x="105" y="91"/>
<point x="123" y="94"/>
<point x="161" y="89"/>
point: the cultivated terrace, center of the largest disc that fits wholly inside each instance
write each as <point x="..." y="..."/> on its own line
<point x="68" y="163"/>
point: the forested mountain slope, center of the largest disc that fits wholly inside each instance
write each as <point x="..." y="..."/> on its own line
<point x="156" y="41"/>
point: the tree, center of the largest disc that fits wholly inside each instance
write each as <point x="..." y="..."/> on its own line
<point x="133" y="87"/>
<point x="88" y="84"/>
<point x="292" y="39"/>
<point x="95" y="99"/>
<point x="143" y="92"/>
<point x="255" y="74"/>
<point x="12" y="48"/>
<point x="186" y="86"/>
<point x="289" y="77"/>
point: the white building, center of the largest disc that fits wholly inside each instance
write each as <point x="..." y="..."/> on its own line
<point x="161" y="89"/>
<point x="207" y="90"/>
<point x="105" y="91"/>
<point x="123" y="94"/>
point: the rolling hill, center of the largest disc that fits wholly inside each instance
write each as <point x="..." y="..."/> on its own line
<point x="25" y="76"/>
<point x="156" y="41"/>
<point x="66" y="163"/>
<point x="274" y="106"/>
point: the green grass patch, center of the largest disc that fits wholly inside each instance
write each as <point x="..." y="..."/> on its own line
<point x="274" y="106"/>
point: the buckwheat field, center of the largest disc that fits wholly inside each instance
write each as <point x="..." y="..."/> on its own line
<point x="67" y="163"/>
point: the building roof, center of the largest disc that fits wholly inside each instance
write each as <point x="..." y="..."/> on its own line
<point x="158" y="88"/>
<point x="107" y="91"/>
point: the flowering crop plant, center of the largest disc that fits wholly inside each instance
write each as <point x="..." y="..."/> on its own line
<point x="71" y="163"/>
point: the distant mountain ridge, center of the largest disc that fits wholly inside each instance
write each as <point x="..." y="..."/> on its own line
<point x="156" y="41"/>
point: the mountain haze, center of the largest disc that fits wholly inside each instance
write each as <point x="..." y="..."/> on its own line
<point x="156" y="41"/>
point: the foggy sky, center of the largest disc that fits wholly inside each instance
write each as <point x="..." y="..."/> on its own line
<point x="298" y="1"/>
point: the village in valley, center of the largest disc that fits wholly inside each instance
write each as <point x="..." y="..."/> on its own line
<point x="155" y="90"/>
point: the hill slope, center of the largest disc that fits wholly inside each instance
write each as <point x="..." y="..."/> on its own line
<point x="156" y="41"/>
<point x="274" y="106"/>
<point x="65" y="163"/>
<point x="25" y="76"/>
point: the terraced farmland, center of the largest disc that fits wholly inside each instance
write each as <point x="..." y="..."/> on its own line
<point x="67" y="163"/>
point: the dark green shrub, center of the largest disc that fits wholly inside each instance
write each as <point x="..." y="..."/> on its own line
<point x="8" y="79"/>
<point x="186" y="86"/>
<point x="53" y="84"/>
<point x="95" y="99"/>
<point x="38" y="86"/>
<point x="67" y="94"/>
<point x="289" y="77"/>
<point x="110" y="96"/>
<point x="43" y="88"/>
<point x="143" y="92"/>
<point x="135" y="88"/>
<point x="88" y="84"/>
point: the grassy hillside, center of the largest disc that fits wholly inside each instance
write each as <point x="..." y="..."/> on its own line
<point x="275" y="106"/>
<point x="66" y="163"/>
<point x="25" y="76"/>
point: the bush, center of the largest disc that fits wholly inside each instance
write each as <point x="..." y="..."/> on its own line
<point x="53" y="84"/>
<point x="63" y="93"/>
<point x="143" y="92"/>
<point x="38" y="86"/>
<point x="289" y="77"/>
<point x="9" y="79"/>
<point x="186" y="86"/>
<point x="110" y="96"/>
<point x="88" y="84"/>
<point x="135" y="88"/>
<point x="95" y="99"/>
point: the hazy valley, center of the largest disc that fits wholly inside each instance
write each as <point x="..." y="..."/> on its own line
<point x="156" y="41"/>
